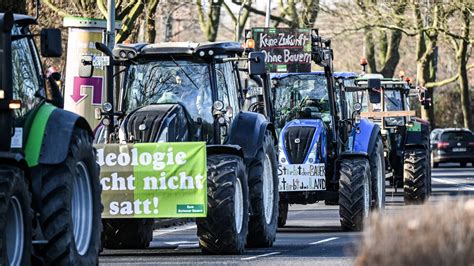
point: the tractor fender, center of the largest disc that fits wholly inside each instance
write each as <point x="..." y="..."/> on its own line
<point x="58" y="130"/>
<point x="52" y="130"/>
<point x="365" y="137"/>
<point x="248" y="130"/>
<point x="418" y="135"/>
<point x="224" y="149"/>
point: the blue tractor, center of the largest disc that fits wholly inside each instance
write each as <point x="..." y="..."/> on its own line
<point x="326" y="152"/>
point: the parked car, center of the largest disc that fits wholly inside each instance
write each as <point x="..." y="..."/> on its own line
<point x="452" y="145"/>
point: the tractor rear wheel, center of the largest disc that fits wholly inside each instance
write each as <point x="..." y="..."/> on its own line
<point x="263" y="191"/>
<point x="224" y="230"/>
<point x="354" y="193"/>
<point x="415" y="176"/>
<point x="282" y="213"/>
<point x="129" y="233"/>
<point x="15" y="217"/>
<point x="70" y="213"/>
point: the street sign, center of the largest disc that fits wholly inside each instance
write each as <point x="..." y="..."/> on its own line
<point x="286" y="50"/>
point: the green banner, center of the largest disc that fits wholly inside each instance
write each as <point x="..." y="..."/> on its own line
<point x="153" y="180"/>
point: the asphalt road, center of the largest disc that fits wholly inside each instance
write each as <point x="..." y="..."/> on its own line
<point x="312" y="235"/>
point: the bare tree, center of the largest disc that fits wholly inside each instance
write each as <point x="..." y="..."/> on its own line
<point x="209" y="15"/>
<point x="381" y="45"/>
<point x="292" y="13"/>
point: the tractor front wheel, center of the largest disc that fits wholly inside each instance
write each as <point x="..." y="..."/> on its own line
<point x="15" y="221"/>
<point x="70" y="213"/>
<point x="415" y="176"/>
<point x="377" y="173"/>
<point x="263" y="190"/>
<point x="354" y="193"/>
<point x="224" y="230"/>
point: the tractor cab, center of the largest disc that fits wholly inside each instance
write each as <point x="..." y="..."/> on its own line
<point x="184" y="91"/>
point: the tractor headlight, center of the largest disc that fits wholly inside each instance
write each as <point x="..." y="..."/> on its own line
<point x="122" y="136"/>
<point x="281" y="155"/>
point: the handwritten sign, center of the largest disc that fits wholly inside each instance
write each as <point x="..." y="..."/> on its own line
<point x="286" y="50"/>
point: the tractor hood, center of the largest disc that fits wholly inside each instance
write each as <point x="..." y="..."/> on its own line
<point x="156" y="123"/>
<point x="302" y="141"/>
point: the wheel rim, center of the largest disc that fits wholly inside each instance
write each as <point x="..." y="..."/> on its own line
<point x="268" y="189"/>
<point x="380" y="183"/>
<point x="238" y="206"/>
<point x="15" y="234"/>
<point x="81" y="208"/>
<point x="366" y="197"/>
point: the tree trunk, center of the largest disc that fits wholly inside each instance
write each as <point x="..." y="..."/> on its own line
<point x="462" y="58"/>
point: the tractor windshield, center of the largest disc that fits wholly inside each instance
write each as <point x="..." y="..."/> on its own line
<point x="174" y="81"/>
<point x="294" y="93"/>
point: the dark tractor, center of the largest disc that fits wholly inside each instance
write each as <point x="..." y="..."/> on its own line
<point x="189" y="92"/>
<point x="50" y="203"/>
<point x="405" y="137"/>
<point x="325" y="152"/>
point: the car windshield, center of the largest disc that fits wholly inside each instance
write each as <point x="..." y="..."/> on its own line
<point x="183" y="82"/>
<point x="456" y="136"/>
<point x="295" y="92"/>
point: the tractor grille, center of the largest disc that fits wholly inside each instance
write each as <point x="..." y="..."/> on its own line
<point x="145" y="124"/>
<point x="298" y="142"/>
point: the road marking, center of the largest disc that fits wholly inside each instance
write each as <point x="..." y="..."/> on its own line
<point x="461" y="186"/>
<point x="324" y="240"/>
<point x="260" y="256"/>
<point x="169" y="231"/>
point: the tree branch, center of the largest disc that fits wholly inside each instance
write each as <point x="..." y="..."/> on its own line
<point x="56" y="9"/>
<point x="272" y="17"/>
<point x="442" y="82"/>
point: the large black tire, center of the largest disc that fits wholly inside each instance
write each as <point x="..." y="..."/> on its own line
<point x="127" y="233"/>
<point x="219" y="233"/>
<point x="377" y="173"/>
<point x="75" y="180"/>
<point x="354" y="193"/>
<point x="282" y="213"/>
<point x="415" y="176"/>
<point x="15" y="202"/>
<point x="263" y="219"/>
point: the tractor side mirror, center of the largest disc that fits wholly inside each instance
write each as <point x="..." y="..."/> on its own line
<point x="86" y="69"/>
<point x="373" y="83"/>
<point x="374" y="96"/>
<point x="51" y="43"/>
<point x="257" y="63"/>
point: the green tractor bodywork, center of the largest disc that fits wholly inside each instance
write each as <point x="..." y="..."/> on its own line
<point x="38" y="126"/>
<point x="405" y="136"/>
<point x="46" y="159"/>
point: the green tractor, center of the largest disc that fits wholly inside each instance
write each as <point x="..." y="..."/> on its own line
<point x="50" y="195"/>
<point x="405" y="137"/>
<point x="191" y="94"/>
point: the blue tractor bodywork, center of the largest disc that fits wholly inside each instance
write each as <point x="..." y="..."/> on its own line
<point x="321" y="142"/>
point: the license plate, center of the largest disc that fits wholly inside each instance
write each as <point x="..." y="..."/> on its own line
<point x="301" y="177"/>
<point x="459" y="149"/>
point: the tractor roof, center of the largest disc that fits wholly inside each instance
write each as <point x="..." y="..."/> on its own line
<point x="183" y="49"/>
<point x="22" y="20"/>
